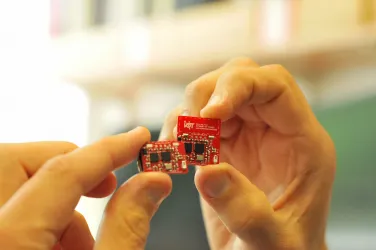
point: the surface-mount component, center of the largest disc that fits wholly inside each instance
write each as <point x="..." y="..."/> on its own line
<point x="163" y="156"/>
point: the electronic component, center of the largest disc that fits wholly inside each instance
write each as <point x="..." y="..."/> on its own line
<point x="200" y="158"/>
<point x="199" y="148"/>
<point x="166" y="156"/>
<point x="188" y="147"/>
<point x="144" y="151"/>
<point x="163" y="156"/>
<point x="201" y="138"/>
<point x="154" y="157"/>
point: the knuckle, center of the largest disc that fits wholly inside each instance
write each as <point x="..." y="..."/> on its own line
<point x="287" y="78"/>
<point x="68" y="146"/>
<point x="202" y="86"/>
<point x="231" y="75"/>
<point x="278" y="67"/>
<point x="195" y="87"/>
<point x="59" y="167"/>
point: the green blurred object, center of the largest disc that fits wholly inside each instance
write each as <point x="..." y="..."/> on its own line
<point x="352" y="220"/>
<point x="353" y="129"/>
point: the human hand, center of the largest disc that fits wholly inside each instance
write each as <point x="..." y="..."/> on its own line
<point x="41" y="184"/>
<point x="277" y="192"/>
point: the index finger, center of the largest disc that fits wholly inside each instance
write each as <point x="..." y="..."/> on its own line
<point x="198" y="92"/>
<point x="19" y="161"/>
<point x="32" y="155"/>
<point x="49" y="198"/>
<point x="269" y="93"/>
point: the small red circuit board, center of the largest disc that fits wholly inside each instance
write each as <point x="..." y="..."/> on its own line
<point x="163" y="156"/>
<point x="201" y="138"/>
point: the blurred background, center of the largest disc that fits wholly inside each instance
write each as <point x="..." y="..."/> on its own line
<point x="79" y="70"/>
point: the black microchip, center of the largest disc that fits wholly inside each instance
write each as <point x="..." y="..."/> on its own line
<point x="166" y="156"/>
<point x="199" y="148"/>
<point x="154" y="157"/>
<point x="188" y="147"/>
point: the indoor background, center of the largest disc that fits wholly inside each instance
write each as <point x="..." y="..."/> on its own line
<point x="78" y="70"/>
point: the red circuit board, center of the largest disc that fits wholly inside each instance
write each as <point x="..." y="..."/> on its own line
<point x="163" y="156"/>
<point x="201" y="138"/>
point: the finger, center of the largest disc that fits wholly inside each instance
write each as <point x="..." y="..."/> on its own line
<point x="127" y="217"/>
<point x="77" y="236"/>
<point x="59" y="184"/>
<point x="169" y="124"/>
<point x="276" y="98"/>
<point x="199" y="91"/>
<point x="22" y="160"/>
<point x="240" y="205"/>
<point x="32" y="155"/>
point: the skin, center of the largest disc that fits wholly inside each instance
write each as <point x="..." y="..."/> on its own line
<point x="272" y="189"/>
<point x="41" y="184"/>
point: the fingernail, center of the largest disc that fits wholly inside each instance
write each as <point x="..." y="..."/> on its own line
<point x="156" y="195"/>
<point x="185" y="112"/>
<point x="216" y="186"/>
<point x="163" y="137"/>
<point x="214" y="100"/>
<point x="135" y="130"/>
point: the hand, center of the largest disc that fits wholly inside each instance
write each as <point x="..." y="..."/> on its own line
<point x="41" y="184"/>
<point x="277" y="192"/>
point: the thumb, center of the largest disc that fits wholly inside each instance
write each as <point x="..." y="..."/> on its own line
<point x="127" y="216"/>
<point x="240" y="205"/>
